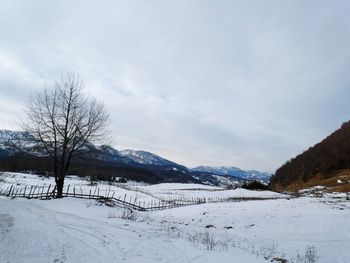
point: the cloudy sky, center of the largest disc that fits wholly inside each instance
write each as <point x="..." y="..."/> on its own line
<point x="238" y="83"/>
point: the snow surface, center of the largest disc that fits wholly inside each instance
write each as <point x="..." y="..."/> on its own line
<point x="188" y="191"/>
<point x="74" y="230"/>
<point x="78" y="230"/>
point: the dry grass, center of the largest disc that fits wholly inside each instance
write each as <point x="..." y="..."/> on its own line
<point x="331" y="182"/>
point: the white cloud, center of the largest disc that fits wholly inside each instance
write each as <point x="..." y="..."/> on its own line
<point x="200" y="82"/>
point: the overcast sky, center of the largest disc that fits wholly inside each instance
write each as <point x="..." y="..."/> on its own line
<point x="236" y="83"/>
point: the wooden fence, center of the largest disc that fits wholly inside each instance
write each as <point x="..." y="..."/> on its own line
<point x="49" y="192"/>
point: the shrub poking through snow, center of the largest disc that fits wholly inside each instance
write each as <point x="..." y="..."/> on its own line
<point x="129" y="214"/>
<point x="204" y="238"/>
<point x="309" y="256"/>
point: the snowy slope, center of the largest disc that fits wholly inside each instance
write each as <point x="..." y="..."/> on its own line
<point x="77" y="230"/>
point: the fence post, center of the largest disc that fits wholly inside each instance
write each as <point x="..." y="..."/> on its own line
<point x="67" y="190"/>
<point x="34" y="191"/>
<point x="13" y="191"/>
<point x="48" y="191"/>
<point x="35" y="188"/>
<point x="30" y="192"/>
<point x="53" y="191"/>
<point x="42" y="192"/>
<point x="10" y="190"/>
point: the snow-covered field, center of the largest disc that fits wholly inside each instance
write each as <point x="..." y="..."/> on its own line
<point x="133" y="190"/>
<point x="79" y="230"/>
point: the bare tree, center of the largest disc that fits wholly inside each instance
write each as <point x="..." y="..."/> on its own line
<point x="63" y="120"/>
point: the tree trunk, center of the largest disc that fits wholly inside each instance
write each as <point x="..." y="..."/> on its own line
<point x="59" y="185"/>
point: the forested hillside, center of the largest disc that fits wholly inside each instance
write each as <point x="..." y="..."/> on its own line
<point x="325" y="163"/>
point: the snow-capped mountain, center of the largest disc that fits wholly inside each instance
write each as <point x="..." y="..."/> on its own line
<point x="12" y="142"/>
<point x="103" y="161"/>
<point x="234" y="171"/>
<point x="18" y="141"/>
<point x="138" y="163"/>
<point x="108" y="153"/>
<point x="146" y="157"/>
<point x="217" y="180"/>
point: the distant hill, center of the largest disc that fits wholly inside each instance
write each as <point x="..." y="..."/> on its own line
<point x="20" y="152"/>
<point x="235" y="172"/>
<point x="326" y="163"/>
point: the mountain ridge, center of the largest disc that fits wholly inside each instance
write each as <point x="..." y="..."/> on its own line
<point x="18" y="142"/>
<point x="235" y="171"/>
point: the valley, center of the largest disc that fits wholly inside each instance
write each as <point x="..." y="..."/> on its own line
<point x="81" y="230"/>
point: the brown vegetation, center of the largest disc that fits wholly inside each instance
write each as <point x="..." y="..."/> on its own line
<point x="331" y="183"/>
<point x="322" y="164"/>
